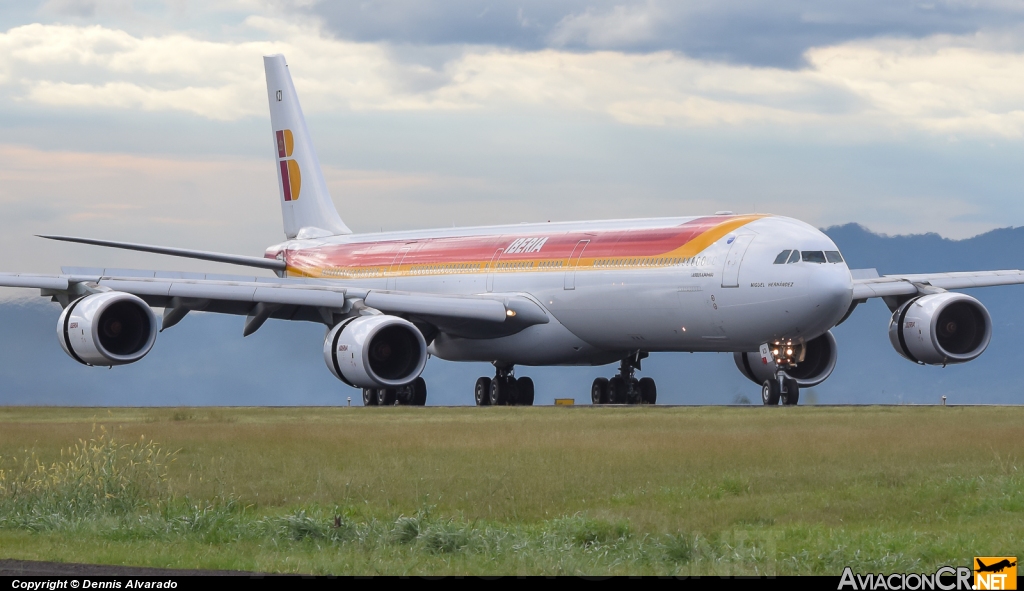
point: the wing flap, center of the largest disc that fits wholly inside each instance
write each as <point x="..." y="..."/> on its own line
<point x="489" y="310"/>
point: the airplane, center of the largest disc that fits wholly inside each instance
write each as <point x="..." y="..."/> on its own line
<point x="994" y="568"/>
<point x="766" y="288"/>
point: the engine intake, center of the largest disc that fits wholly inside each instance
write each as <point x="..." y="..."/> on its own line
<point x="941" y="328"/>
<point x="375" y="351"/>
<point x="815" y="361"/>
<point x="112" y="328"/>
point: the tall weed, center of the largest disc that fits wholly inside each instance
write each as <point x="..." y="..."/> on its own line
<point x="94" y="478"/>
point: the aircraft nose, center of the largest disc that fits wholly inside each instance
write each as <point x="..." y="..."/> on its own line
<point x="833" y="293"/>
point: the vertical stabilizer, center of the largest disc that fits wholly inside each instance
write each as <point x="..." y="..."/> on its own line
<point x="305" y="202"/>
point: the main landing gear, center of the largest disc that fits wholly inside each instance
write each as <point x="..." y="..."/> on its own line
<point x="412" y="394"/>
<point x="625" y="388"/>
<point x="503" y="389"/>
<point x="780" y="389"/>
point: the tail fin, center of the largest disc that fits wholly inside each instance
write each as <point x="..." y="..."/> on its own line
<point x="305" y="202"/>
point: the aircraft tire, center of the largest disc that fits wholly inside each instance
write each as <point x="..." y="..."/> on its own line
<point x="770" y="393"/>
<point x="599" y="391"/>
<point x="616" y="390"/>
<point x="482" y="392"/>
<point x="792" y="396"/>
<point x="418" y="392"/>
<point x="369" y="397"/>
<point x="525" y="391"/>
<point x="499" y="392"/>
<point x="386" y="396"/>
<point x="648" y="391"/>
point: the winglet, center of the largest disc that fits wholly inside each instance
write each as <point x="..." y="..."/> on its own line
<point x="305" y="201"/>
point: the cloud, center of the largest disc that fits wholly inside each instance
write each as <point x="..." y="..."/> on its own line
<point x="622" y="26"/>
<point x="748" y="32"/>
<point x="942" y="84"/>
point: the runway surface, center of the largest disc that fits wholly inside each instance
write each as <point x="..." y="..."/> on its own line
<point x="33" y="568"/>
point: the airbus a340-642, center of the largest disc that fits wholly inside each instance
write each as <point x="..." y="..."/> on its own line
<point x="766" y="288"/>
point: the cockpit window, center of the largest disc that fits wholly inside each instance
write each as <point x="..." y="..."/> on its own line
<point x="813" y="256"/>
<point x="794" y="258"/>
<point x="833" y="256"/>
<point x="783" y="256"/>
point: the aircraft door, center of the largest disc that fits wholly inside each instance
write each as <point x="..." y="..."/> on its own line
<point x="731" y="270"/>
<point x="491" y="268"/>
<point x="574" y="261"/>
<point x="396" y="266"/>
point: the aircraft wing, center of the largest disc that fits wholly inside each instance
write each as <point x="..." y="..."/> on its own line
<point x="865" y="286"/>
<point x="260" y="298"/>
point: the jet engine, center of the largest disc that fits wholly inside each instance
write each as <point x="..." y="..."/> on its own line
<point x="940" y="328"/>
<point x="814" y="362"/>
<point x="111" y="328"/>
<point x="375" y="351"/>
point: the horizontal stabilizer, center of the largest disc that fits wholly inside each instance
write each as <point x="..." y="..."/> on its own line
<point x="232" y="259"/>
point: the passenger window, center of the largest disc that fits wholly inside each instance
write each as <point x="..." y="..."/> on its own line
<point x="783" y="257"/>
<point x="813" y="256"/>
<point x="833" y="256"/>
<point x="794" y="258"/>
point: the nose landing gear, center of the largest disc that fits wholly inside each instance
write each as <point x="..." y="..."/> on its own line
<point x="504" y="389"/>
<point x="624" y="388"/>
<point x="780" y="389"/>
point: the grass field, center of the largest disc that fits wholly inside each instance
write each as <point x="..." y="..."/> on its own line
<point x="686" y="491"/>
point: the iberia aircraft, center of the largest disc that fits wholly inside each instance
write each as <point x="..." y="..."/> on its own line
<point x="766" y="288"/>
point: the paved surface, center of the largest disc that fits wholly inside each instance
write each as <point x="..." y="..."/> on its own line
<point x="32" y="568"/>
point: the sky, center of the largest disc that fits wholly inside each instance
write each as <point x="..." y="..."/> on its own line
<point x="146" y="121"/>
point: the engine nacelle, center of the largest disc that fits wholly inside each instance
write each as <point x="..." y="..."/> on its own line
<point x="941" y="328"/>
<point x="817" y="360"/>
<point x="375" y="351"/>
<point x="111" y="328"/>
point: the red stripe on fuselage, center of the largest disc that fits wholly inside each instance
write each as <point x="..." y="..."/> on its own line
<point x="433" y="251"/>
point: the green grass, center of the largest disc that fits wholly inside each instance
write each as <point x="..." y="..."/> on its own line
<point x="515" y="490"/>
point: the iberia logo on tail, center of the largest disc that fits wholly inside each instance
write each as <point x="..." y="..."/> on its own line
<point x="291" y="180"/>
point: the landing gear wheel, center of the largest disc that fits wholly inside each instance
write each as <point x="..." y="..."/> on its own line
<point x="616" y="390"/>
<point x="386" y="396"/>
<point x="369" y="397"/>
<point x="599" y="391"/>
<point x="418" y="392"/>
<point x="770" y="392"/>
<point x="648" y="391"/>
<point x="792" y="394"/>
<point x="524" y="394"/>
<point x="502" y="391"/>
<point x="482" y="392"/>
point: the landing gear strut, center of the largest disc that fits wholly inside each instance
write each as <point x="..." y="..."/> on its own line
<point x="504" y="388"/>
<point x="412" y="394"/>
<point x="782" y="389"/>
<point x="625" y="388"/>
